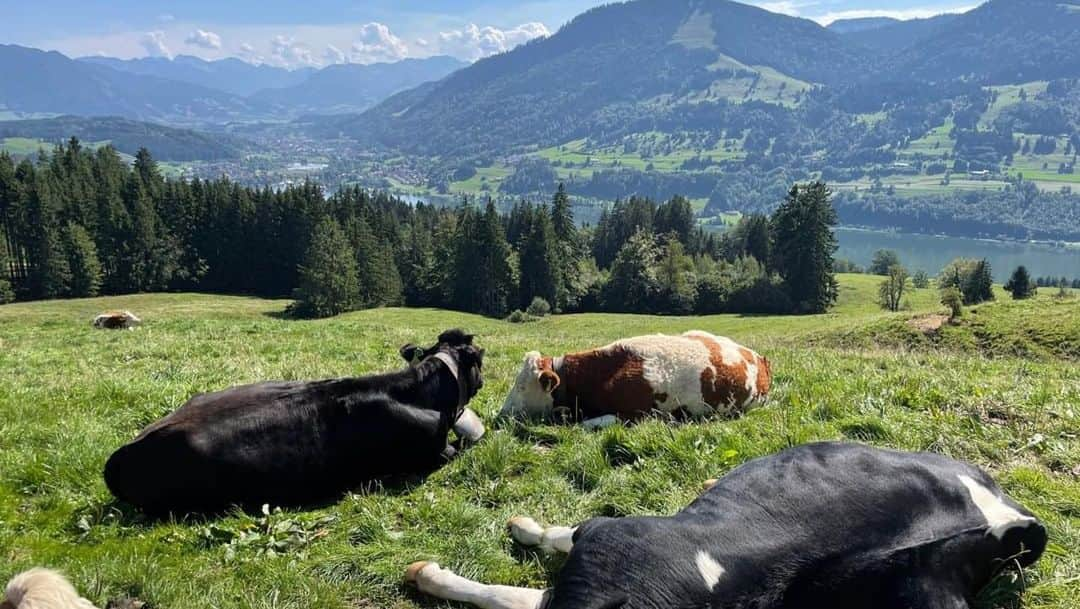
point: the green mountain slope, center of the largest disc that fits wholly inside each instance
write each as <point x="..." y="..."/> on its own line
<point x="167" y="143"/>
<point x="621" y="59"/>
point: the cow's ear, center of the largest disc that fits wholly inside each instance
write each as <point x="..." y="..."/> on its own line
<point x="411" y="353"/>
<point x="549" y="381"/>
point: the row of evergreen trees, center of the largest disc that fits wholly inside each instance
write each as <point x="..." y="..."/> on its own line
<point x="80" y="223"/>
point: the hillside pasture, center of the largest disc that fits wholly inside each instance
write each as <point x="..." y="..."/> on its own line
<point x="70" y="395"/>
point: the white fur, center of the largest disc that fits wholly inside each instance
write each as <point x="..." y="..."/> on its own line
<point x="444" y="584"/>
<point x="43" y="589"/>
<point x="130" y="320"/>
<point x="999" y="515"/>
<point x="527" y="398"/>
<point x="528" y="533"/>
<point x="710" y="570"/>
<point x="600" y="422"/>
<point x="672" y="365"/>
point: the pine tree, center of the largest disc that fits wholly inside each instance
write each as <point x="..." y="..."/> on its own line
<point x="750" y="237"/>
<point x="676" y="216"/>
<point x="803" y="247"/>
<point x="1020" y="284"/>
<point x="378" y="276"/>
<point x="328" y="278"/>
<point x="53" y="271"/>
<point x="483" y="261"/>
<point x="562" y="216"/>
<point x="541" y="275"/>
<point x="7" y="294"/>
<point x="676" y="281"/>
<point x="979" y="286"/>
<point x="633" y="285"/>
<point x="83" y="262"/>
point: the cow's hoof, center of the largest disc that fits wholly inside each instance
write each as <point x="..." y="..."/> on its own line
<point x="413" y="570"/>
<point x="526" y="531"/>
<point x="708" y="484"/>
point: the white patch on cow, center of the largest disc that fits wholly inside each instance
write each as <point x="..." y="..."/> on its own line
<point x="445" y="584"/>
<point x="527" y="398"/>
<point x="672" y="366"/>
<point x="600" y="422"/>
<point x="710" y="570"/>
<point x="999" y="515"/>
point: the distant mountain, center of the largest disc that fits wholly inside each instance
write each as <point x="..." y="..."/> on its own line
<point x="166" y="143"/>
<point x="891" y="35"/>
<point x="1000" y="42"/>
<point x="613" y="63"/>
<point x="863" y="24"/>
<point x="39" y="81"/>
<point x="356" y="87"/>
<point x="229" y="75"/>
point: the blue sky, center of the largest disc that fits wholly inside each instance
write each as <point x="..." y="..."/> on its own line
<point x="318" y="32"/>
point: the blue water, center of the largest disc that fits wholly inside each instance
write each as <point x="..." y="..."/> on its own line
<point x="930" y="253"/>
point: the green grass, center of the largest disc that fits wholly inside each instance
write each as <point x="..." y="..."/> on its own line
<point x="70" y="395"/>
<point x="1009" y="95"/>
<point x="23" y="146"/>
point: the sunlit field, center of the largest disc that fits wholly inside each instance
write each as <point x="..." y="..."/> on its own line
<point x="1000" y="389"/>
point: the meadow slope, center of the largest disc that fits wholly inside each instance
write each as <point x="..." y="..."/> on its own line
<point x="70" y="395"/>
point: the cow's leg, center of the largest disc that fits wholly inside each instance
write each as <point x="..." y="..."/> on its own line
<point x="600" y="422"/>
<point x="432" y="579"/>
<point x="528" y="533"/>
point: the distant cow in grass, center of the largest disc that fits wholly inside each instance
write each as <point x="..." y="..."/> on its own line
<point x="822" y="526"/>
<point x="296" y="443"/>
<point x="695" y="374"/>
<point x="117" y="320"/>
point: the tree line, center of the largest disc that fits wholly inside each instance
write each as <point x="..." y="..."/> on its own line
<point x="80" y="223"/>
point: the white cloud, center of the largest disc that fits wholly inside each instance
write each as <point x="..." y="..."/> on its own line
<point x="903" y="14"/>
<point x="474" y="42"/>
<point x="154" y="44"/>
<point x="377" y="43"/>
<point x="203" y="39"/>
<point x="333" y="55"/>
<point x="287" y="52"/>
<point x="784" y="7"/>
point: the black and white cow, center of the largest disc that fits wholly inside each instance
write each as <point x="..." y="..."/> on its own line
<point x="821" y="526"/>
<point x="295" y="443"/>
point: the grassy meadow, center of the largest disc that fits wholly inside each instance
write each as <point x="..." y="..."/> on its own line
<point x="1001" y="389"/>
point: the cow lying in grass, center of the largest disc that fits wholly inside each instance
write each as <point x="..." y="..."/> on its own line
<point x="695" y="374"/>
<point x="822" y="526"/>
<point x="117" y="320"/>
<point x="296" y="443"/>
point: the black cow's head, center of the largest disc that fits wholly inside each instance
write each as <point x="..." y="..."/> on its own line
<point x="459" y="345"/>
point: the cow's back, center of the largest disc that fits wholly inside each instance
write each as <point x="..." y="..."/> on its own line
<point x="272" y="442"/>
<point x="699" y="373"/>
<point x="822" y="525"/>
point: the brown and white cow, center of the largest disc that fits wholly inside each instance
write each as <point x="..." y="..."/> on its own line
<point x="117" y="320"/>
<point x="695" y="374"/>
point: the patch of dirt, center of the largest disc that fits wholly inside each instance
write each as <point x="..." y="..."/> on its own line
<point x="929" y="324"/>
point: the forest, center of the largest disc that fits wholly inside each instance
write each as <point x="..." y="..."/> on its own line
<point x="81" y="223"/>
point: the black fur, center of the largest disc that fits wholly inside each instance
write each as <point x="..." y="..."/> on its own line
<point x="296" y="443"/>
<point x="822" y="526"/>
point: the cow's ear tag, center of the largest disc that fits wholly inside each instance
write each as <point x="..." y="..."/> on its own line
<point x="549" y="381"/>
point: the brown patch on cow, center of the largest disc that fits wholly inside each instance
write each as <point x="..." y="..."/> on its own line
<point x="723" y="386"/>
<point x="764" y="376"/>
<point x="602" y="382"/>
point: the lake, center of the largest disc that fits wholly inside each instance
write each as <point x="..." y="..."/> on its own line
<point x="930" y="253"/>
